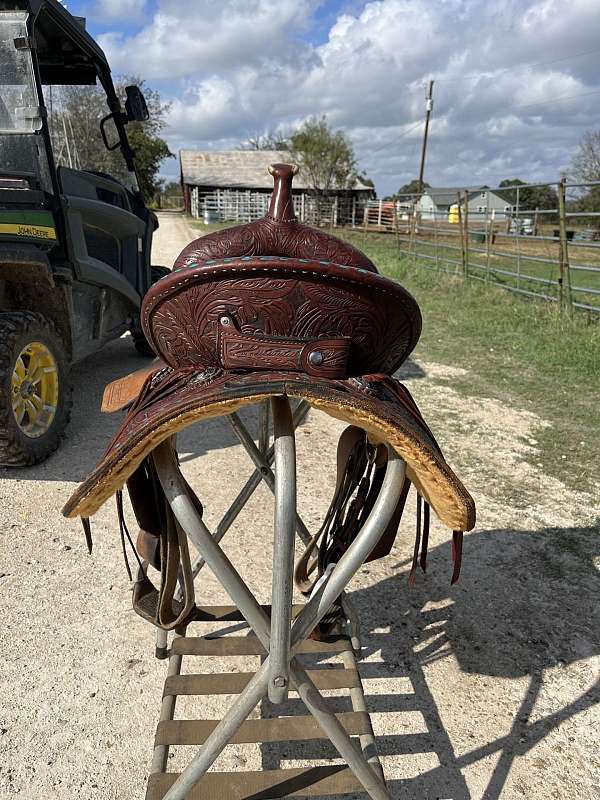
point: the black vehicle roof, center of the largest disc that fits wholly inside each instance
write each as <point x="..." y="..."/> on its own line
<point x="66" y="52"/>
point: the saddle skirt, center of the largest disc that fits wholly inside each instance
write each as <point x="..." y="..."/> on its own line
<point x="272" y="308"/>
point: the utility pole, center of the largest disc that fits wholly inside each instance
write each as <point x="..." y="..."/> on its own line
<point x="428" y="107"/>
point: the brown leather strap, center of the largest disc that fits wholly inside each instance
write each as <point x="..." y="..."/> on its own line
<point x="457" y="544"/>
<point x="162" y="544"/>
<point x="357" y="487"/>
<point x="325" y="358"/>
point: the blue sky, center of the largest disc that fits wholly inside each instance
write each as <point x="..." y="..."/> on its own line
<point x="517" y="81"/>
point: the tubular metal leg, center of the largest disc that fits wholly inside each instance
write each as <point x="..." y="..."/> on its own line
<point x="352" y="623"/>
<point x="263" y="428"/>
<point x="248" y="489"/>
<point x="315" y="609"/>
<point x="283" y="549"/>
<point x="167" y="711"/>
<point x="162" y="644"/>
<point x="357" y="698"/>
<point x="373" y="782"/>
<point x="221" y="735"/>
<point x="300" y="412"/>
<point x="263" y="465"/>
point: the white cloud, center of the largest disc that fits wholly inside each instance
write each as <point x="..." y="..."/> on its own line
<point x="240" y="66"/>
<point x="118" y="9"/>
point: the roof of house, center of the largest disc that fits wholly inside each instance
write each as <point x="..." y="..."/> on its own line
<point x="448" y="195"/>
<point x="238" y="169"/>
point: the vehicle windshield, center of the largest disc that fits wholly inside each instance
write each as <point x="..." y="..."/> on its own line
<point x="19" y="107"/>
<point x="74" y="117"/>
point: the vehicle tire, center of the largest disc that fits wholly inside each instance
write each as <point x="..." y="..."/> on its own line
<point x="35" y="392"/>
<point x="139" y="340"/>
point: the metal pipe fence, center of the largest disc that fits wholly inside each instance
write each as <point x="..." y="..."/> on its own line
<point x="538" y="240"/>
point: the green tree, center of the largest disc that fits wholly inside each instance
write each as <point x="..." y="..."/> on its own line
<point x="530" y="197"/>
<point x="76" y="113"/>
<point x="325" y="156"/>
<point x="412" y="187"/>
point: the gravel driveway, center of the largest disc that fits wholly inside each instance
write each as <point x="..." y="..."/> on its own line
<point x="485" y="690"/>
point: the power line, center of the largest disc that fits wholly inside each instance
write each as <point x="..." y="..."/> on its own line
<point x="556" y="99"/>
<point x="516" y="109"/>
<point x="399" y="136"/>
<point x="493" y="73"/>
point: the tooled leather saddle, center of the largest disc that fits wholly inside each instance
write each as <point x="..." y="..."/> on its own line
<point x="270" y="308"/>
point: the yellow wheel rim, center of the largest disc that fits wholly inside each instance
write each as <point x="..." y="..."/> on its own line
<point x="35" y="389"/>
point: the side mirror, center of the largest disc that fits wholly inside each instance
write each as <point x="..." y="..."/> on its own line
<point x="135" y="104"/>
<point x="110" y="133"/>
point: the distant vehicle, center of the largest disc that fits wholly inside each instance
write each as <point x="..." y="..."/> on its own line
<point x="521" y="226"/>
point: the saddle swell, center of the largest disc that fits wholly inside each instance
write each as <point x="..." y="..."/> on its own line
<point x="279" y="233"/>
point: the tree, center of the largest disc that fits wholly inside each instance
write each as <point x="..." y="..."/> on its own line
<point x="585" y="167"/>
<point x="365" y="179"/>
<point x="325" y="156"/>
<point x="530" y="197"/>
<point x="269" y="140"/>
<point x="75" y="124"/>
<point x="150" y="151"/>
<point x="412" y="187"/>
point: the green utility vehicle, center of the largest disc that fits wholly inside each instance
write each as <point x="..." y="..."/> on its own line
<point x="74" y="244"/>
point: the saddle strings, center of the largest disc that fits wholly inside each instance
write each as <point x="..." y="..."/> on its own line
<point x="124" y="531"/>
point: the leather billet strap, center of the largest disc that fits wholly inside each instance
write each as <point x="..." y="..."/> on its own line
<point x="360" y="470"/>
<point x="163" y="544"/>
<point x="324" y="358"/>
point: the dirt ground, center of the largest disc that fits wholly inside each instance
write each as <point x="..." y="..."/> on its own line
<point x="484" y="690"/>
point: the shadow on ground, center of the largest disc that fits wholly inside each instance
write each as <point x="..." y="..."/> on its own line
<point x="526" y="602"/>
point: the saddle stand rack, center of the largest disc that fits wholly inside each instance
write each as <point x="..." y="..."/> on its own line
<point x="280" y="635"/>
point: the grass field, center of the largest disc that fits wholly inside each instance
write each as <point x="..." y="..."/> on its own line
<point x="516" y="350"/>
<point x="527" y="264"/>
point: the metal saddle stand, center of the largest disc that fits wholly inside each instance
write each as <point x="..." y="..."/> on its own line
<point x="279" y="634"/>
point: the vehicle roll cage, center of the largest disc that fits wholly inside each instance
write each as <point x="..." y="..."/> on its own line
<point x="64" y="53"/>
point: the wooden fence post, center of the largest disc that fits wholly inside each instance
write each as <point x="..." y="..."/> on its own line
<point x="461" y="232"/>
<point x="488" y="247"/>
<point x="564" y="279"/>
<point x="466" y="232"/>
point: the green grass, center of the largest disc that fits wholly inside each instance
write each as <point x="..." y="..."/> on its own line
<point x="518" y="351"/>
<point x="534" y="275"/>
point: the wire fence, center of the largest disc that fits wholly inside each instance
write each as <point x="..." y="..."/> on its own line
<point x="538" y="240"/>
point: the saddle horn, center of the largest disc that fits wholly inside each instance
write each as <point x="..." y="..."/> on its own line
<point x="281" y="207"/>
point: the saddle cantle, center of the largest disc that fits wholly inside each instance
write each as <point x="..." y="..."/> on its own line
<point x="271" y="308"/>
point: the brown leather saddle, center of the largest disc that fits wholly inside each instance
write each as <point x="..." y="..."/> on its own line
<point x="271" y="308"/>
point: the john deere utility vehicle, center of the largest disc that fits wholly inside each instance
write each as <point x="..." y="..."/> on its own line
<point x="74" y="243"/>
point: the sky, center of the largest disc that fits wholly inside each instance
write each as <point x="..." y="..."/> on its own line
<point x="517" y="82"/>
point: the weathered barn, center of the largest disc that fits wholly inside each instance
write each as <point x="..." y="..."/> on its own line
<point x="235" y="185"/>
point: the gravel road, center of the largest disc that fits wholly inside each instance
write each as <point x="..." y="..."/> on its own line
<point x="484" y="690"/>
